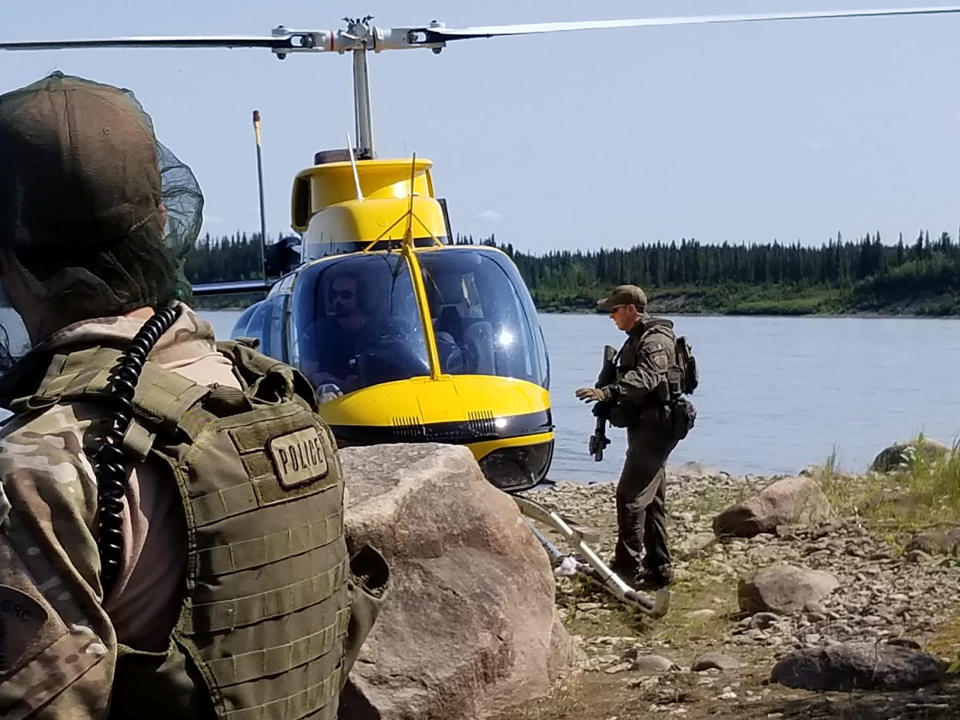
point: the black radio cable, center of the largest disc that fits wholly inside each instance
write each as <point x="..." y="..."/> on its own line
<point x="108" y="464"/>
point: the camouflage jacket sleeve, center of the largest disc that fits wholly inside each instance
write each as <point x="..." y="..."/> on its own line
<point x="642" y="368"/>
<point x="57" y="646"/>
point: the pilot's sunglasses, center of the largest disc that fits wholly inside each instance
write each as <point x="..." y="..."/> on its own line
<point x="613" y="310"/>
<point x="342" y="294"/>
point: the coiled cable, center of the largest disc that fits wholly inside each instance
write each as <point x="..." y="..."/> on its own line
<point x="108" y="463"/>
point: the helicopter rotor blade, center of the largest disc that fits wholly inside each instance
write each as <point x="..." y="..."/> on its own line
<point x="281" y="42"/>
<point x="361" y="36"/>
<point x="438" y="34"/>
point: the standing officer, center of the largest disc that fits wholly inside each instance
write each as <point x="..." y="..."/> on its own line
<point x="640" y="399"/>
<point x="171" y="508"/>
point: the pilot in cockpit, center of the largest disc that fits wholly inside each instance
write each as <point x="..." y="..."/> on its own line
<point x="342" y="335"/>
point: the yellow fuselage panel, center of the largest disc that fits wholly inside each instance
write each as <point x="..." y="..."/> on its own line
<point x="374" y="219"/>
<point x="452" y="398"/>
<point x="334" y="183"/>
<point x="322" y="186"/>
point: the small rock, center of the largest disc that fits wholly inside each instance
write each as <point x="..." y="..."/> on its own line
<point x="905" y="642"/>
<point x="898" y="456"/>
<point x="917" y="557"/>
<point x="715" y="661"/>
<point x="695" y="544"/>
<point x="652" y="665"/>
<point x="762" y="620"/>
<point x="704" y="614"/>
<point x="618" y="668"/>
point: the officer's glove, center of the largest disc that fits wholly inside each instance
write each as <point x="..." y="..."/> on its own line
<point x="589" y="395"/>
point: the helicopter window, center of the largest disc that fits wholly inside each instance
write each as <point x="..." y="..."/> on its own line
<point x="356" y="323"/>
<point x="256" y="324"/>
<point x="274" y="319"/>
<point x="483" y="318"/>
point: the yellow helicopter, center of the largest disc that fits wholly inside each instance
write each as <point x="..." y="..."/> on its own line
<point x="406" y="336"/>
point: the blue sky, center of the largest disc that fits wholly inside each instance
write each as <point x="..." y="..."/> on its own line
<point x="788" y="131"/>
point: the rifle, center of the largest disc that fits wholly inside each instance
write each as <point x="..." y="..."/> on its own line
<point x="607" y="376"/>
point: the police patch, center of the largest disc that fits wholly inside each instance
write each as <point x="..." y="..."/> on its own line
<point x="21" y="619"/>
<point x="298" y="457"/>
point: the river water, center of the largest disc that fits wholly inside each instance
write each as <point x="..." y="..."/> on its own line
<point x="776" y="394"/>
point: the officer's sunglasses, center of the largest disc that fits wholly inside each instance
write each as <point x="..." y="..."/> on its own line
<point x="342" y="294"/>
<point x="613" y="310"/>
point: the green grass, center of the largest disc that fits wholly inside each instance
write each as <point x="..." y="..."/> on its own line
<point x="924" y="492"/>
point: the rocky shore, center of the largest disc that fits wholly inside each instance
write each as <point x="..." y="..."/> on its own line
<point x="819" y="600"/>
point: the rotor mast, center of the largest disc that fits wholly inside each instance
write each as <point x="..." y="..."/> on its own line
<point x="360" y="29"/>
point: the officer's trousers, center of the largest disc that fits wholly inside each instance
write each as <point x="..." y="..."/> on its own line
<point x="641" y="504"/>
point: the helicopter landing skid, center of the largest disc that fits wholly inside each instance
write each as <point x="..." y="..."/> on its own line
<point x="594" y="568"/>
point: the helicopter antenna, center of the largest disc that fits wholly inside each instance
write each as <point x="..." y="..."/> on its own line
<point x="353" y="164"/>
<point x="408" y="234"/>
<point x="263" y="218"/>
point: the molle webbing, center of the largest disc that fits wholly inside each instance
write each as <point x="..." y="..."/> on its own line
<point x="276" y="602"/>
<point x="246" y="554"/>
<point x="279" y="658"/>
<point x="297" y="705"/>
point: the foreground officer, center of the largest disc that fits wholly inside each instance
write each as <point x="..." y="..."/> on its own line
<point x="171" y="508"/>
<point x="644" y="397"/>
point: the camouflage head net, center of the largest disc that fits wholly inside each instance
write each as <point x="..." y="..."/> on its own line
<point x="82" y="182"/>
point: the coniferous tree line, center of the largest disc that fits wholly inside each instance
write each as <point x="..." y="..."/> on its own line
<point x="221" y="259"/>
<point x="688" y="262"/>
<point x="867" y="269"/>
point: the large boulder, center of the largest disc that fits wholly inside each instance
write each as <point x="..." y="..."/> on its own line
<point x="858" y="666"/>
<point x="783" y="589"/>
<point x="790" y="501"/>
<point x="899" y="456"/>
<point x="469" y="626"/>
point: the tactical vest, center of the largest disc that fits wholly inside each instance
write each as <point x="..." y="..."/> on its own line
<point x="667" y="412"/>
<point x="650" y="414"/>
<point x="266" y="603"/>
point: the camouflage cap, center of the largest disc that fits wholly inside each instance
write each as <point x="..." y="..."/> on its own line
<point x="623" y="295"/>
<point x="78" y="165"/>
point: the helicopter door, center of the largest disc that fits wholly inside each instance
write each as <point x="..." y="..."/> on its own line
<point x="483" y="318"/>
<point x="357" y="324"/>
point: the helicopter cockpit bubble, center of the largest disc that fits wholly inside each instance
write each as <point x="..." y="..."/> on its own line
<point x="474" y="300"/>
<point x="358" y="325"/>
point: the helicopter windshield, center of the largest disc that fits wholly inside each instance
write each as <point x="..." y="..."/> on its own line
<point x="357" y="324"/>
<point x="484" y="320"/>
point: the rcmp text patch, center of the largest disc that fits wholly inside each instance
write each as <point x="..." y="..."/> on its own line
<point x="298" y="457"/>
<point x="21" y="618"/>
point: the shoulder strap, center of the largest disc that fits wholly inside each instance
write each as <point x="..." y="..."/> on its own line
<point x="265" y="377"/>
<point x="162" y="397"/>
